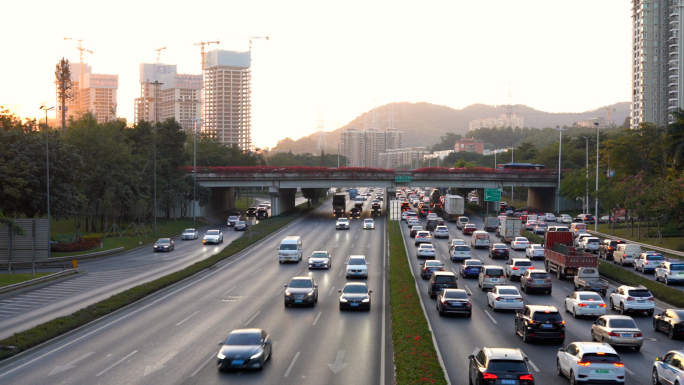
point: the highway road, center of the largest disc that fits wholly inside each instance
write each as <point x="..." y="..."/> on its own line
<point x="172" y="337"/>
<point x="457" y="336"/>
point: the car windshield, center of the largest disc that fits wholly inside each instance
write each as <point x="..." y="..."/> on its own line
<point x="356" y="289"/>
<point x="507" y="366"/>
<point x="240" y="223"/>
<point x="600" y="358"/>
<point x="368" y="221"/>
<point x="301" y="283"/>
<point x="243" y="339"/>
<point x="455" y="294"/>
<point x="426" y="247"/>
<point x="542" y="225"/>
<point x="445" y="278"/>
<point x="232" y="218"/>
<point x="288" y="246"/>
<point x="590" y="297"/>
<point x="505" y="291"/>
<point x="640" y="293"/>
<point x="442" y="228"/>
<point x="433" y="264"/>
<point x="213" y="232"/>
<point x="416" y="228"/>
<point x="622" y="323"/>
<point x="357" y="261"/>
<point x="319" y="255"/>
<point x="461" y="248"/>
<point x="537" y="247"/>
<point x="521" y="239"/>
<point x="189" y="231"/>
<point x="500" y="247"/>
<point x="494" y="273"/>
<point x="343" y="220"/>
<point x="592" y="240"/>
<point x="163" y="240"/>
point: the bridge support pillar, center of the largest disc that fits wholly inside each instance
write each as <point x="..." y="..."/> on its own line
<point x="542" y="198"/>
<point x="282" y="199"/>
<point x="222" y="200"/>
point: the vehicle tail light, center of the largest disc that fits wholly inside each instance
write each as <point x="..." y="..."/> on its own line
<point x="532" y="321"/>
<point x="560" y="322"/>
<point x="499" y="298"/>
<point x="630" y="299"/>
<point x="530" y="268"/>
<point x="468" y="304"/>
<point x="602" y="305"/>
<point x="489" y="376"/>
<point x="651" y="299"/>
<point x="515" y="268"/>
<point x="548" y="279"/>
<point x="613" y="334"/>
<point x="619" y="364"/>
<point x="444" y="302"/>
<point x="581" y="304"/>
<point x="610" y="248"/>
<point x="530" y="279"/>
<point x="486" y="276"/>
<point x="638" y="335"/>
<point x="582" y="363"/>
<point x="527" y="377"/>
<point x="518" y="299"/>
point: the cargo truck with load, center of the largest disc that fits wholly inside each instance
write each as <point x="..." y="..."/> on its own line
<point x="353" y="193"/>
<point x="588" y="279"/>
<point x="376" y="208"/>
<point x="339" y="205"/>
<point x="509" y="228"/>
<point x="454" y="207"/>
<point x="564" y="259"/>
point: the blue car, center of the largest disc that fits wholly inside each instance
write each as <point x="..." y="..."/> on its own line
<point x="470" y="268"/>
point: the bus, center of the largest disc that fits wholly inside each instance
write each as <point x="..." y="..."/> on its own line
<point x="520" y="166"/>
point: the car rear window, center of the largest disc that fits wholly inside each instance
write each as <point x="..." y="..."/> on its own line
<point x="523" y="263"/>
<point x="445" y="278"/>
<point x="639" y="293"/>
<point x="456" y="295"/>
<point x="509" y="291"/>
<point x="655" y="257"/>
<point x="606" y="358"/>
<point x="461" y="248"/>
<point x="539" y="275"/>
<point x="507" y="366"/>
<point x="590" y="297"/>
<point x="622" y="323"/>
<point x="494" y="273"/>
<point x="539" y="316"/>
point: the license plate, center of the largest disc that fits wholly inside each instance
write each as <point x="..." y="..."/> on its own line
<point x="539" y="281"/>
<point x="641" y="301"/>
<point x="602" y="371"/>
<point x="298" y="301"/>
<point x="509" y="300"/>
<point x="456" y="304"/>
<point x="508" y="382"/>
<point x="354" y="304"/>
<point x="592" y="306"/>
<point x="627" y="335"/>
<point x="680" y="273"/>
<point x="238" y="362"/>
<point x="495" y="279"/>
<point x="547" y="326"/>
<point x="318" y="265"/>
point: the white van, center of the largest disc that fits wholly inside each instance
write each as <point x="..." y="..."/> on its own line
<point x="577" y="227"/>
<point x="462" y="221"/>
<point x="479" y="239"/>
<point x="626" y="253"/>
<point x="290" y="249"/>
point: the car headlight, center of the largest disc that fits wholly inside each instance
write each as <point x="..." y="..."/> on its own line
<point x="342" y="299"/>
<point x="221" y="356"/>
<point x="310" y="293"/>
<point x="256" y="355"/>
<point x="366" y="300"/>
<point x="287" y="293"/>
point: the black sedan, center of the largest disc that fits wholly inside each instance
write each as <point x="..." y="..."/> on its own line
<point x="355" y="212"/>
<point x="164" y="244"/>
<point x="454" y="301"/>
<point x="498" y="250"/>
<point x="240" y="226"/>
<point x="355" y="295"/>
<point x="245" y="349"/>
<point x="671" y="321"/>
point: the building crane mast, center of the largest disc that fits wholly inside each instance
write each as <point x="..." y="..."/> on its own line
<point x="159" y="53"/>
<point x="608" y="110"/>
<point x="202" y="44"/>
<point x="255" y="37"/>
<point x="80" y="47"/>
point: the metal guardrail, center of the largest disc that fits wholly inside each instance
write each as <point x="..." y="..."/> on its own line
<point x="85" y="256"/>
<point x="21" y="285"/>
<point x="655" y="248"/>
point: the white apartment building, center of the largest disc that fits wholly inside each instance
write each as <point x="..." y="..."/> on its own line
<point x="656" y="34"/>
<point x="502" y="121"/>
<point x="94" y="93"/>
<point x="364" y="148"/>
<point x="393" y="159"/>
<point x="226" y="98"/>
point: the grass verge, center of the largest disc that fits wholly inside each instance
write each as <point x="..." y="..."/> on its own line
<point x="27" y="339"/>
<point x="11" y="279"/>
<point x="415" y="356"/>
<point x="662" y="292"/>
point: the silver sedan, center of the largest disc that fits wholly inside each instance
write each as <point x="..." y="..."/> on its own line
<point x="617" y="330"/>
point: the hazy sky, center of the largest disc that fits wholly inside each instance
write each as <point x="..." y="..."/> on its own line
<point x="335" y="59"/>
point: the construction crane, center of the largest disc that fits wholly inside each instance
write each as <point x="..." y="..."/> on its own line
<point x="255" y="37"/>
<point x="159" y="53"/>
<point x="608" y="110"/>
<point x="80" y="47"/>
<point x="202" y="44"/>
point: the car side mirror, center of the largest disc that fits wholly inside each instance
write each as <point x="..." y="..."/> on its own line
<point x="422" y="263"/>
<point x="285" y="285"/>
<point x="370" y="291"/>
<point x="220" y="343"/>
<point x="316" y="286"/>
<point x="561" y="349"/>
<point x="339" y="291"/>
<point x="471" y="357"/>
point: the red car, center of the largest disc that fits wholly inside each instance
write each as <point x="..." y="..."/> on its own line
<point x="469" y="229"/>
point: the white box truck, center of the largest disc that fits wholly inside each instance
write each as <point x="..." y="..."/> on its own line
<point x="454" y="207"/>
<point x="509" y="229"/>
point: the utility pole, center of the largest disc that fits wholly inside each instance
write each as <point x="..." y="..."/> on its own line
<point x="47" y="172"/>
<point x="585" y="208"/>
<point x="596" y="215"/>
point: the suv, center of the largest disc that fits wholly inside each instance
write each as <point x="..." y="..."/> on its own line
<point x="342" y="224"/>
<point x="632" y="298"/>
<point x="301" y="291"/>
<point x="357" y="266"/>
<point x="423" y="237"/>
<point x="503" y="365"/>
<point x="540" y="322"/>
<point x="590" y="361"/>
<point x="536" y="279"/>
<point x="516" y="267"/>
<point x="607" y="247"/>
<point x="490" y="276"/>
<point x="431" y="225"/>
<point x="669" y="368"/>
<point x="669" y="272"/>
<point x="232" y="220"/>
<point x="441" y="280"/>
<point x="648" y="260"/>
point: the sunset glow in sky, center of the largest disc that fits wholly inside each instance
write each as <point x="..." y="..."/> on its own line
<point x="335" y="59"/>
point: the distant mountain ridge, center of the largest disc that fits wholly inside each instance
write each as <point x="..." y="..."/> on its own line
<point x="423" y="123"/>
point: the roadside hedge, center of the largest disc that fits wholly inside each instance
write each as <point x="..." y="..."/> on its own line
<point x="27" y="339"/>
<point x="661" y="291"/>
<point x="415" y="357"/>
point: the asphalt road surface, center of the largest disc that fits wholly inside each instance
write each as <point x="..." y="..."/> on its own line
<point x="172" y="337"/>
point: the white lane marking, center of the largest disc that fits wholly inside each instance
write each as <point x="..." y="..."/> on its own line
<point x="572" y="291"/>
<point x="467" y="289"/>
<point x="287" y="373"/>
<point x="212" y="357"/>
<point x="490" y="316"/>
<point x="178" y="324"/>
<point x="341" y="271"/>
<point x="353" y="245"/>
<point x="229" y="290"/>
<point x="317" y="317"/>
<point x="253" y="317"/>
<point x="338" y="365"/>
<point x="331" y="291"/>
<point x="116" y="363"/>
<point x="529" y="361"/>
<point x="280" y="291"/>
<point x="298" y="272"/>
<point x="328" y="237"/>
<point x="70" y="365"/>
<point x="627" y="370"/>
<point x="160" y="364"/>
<point x="255" y="272"/>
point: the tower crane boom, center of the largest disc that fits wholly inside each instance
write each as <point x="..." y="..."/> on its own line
<point x="202" y="44"/>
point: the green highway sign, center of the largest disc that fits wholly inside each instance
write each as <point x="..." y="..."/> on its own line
<point x="492" y="195"/>
<point x="402" y="178"/>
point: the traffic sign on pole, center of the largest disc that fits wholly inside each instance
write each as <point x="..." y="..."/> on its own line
<point x="492" y="195"/>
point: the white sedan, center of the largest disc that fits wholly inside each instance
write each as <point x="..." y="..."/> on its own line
<point x="585" y="303"/>
<point x="441" y="232"/>
<point x="534" y="250"/>
<point x="425" y="250"/>
<point x="368" y="224"/>
<point x="550" y="217"/>
<point x="519" y="243"/>
<point x="213" y="236"/>
<point x="190" y="234"/>
<point x="564" y="218"/>
<point x="504" y="297"/>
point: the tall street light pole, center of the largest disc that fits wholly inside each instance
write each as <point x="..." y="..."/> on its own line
<point x="560" y="150"/>
<point x="596" y="215"/>
<point x="156" y="123"/>
<point x="585" y="206"/>
<point x="511" y="148"/>
<point x="194" y="171"/>
<point x="47" y="172"/>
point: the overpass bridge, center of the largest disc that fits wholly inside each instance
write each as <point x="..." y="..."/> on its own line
<point x="283" y="182"/>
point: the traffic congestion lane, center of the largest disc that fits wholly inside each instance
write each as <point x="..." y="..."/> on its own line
<point x="246" y="292"/>
<point x="488" y="328"/>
